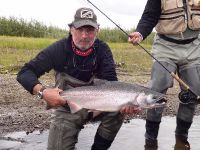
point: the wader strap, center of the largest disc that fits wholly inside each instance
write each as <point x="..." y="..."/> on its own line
<point x="187" y="41"/>
<point x="63" y="81"/>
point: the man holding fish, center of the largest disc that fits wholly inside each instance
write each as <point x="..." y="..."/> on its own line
<point x="76" y="59"/>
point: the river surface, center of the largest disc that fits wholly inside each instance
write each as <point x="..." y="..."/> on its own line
<point x="130" y="137"/>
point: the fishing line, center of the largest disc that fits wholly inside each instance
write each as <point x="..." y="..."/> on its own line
<point x="172" y="74"/>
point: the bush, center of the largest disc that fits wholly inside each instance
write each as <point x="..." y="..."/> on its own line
<point x="19" y="27"/>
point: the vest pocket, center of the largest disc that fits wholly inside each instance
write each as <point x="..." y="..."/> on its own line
<point x="195" y="3"/>
<point x="171" y="25"/>
<point x="194" y="14"/>
<point x="195" y="21"/>
<point x="172" y="19"/>
<point x="179" y="3"/>
<point x="171" y="4"/>
<point x="172" y="22"/>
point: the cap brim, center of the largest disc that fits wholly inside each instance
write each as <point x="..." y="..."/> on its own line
<point x="81" y="23"/>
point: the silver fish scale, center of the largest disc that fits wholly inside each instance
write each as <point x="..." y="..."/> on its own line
<point x="109" y="95"/>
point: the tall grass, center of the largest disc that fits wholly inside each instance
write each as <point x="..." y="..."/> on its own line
<point x="19" y="27"/>
<point x="112" y="35"/>
<point x="117" y="36"/>
<point x="24" y="42"/>
<point x="131" y="58"/>
<point x="11" y="60"/>
<point x="15" y="51"/>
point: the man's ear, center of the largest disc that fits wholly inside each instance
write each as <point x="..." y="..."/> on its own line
<point x="98" y="30"/>
<point x="71" y="28"/>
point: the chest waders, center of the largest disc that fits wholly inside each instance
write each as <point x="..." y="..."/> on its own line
<point x="65" y="126"/>
<point x="185" y="60"/>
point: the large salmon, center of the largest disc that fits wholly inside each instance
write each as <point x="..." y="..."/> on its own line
<point x="111" y="96"/>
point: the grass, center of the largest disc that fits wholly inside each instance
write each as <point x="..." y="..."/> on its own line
<point x="15" y="51"/>
<point x="131" y="58"/>
<point x="24" y="43"/>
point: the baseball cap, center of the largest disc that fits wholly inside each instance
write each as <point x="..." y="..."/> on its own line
<point x="83" y="17"/>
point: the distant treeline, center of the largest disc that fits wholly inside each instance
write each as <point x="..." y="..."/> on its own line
<point x="19" y="27"/>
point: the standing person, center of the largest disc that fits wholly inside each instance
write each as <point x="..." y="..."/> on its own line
<point x="177" y="47"/>
<point x="76" y="59"/>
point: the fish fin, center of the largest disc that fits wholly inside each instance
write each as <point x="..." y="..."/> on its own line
<point x="95" y="112"/>
<point x="74" y="107"/>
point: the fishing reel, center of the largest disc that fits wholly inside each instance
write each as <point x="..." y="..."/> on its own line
<point x="188" y="97"/>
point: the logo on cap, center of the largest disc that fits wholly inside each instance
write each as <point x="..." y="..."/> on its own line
<point x="87" y="14"/>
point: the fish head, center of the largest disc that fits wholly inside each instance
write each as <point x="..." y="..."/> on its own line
<point x="141" y="99"/>
<point x="150" y="101"/>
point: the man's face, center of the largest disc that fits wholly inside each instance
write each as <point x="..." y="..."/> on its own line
<point x="84" y="36"/>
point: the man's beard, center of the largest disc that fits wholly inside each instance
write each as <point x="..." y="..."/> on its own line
<point x="86" y="47"/>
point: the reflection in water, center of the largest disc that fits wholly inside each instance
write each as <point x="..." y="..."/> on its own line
<point x="130" y="137"/>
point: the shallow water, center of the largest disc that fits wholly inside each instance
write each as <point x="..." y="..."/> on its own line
<point x="130" y="137"/>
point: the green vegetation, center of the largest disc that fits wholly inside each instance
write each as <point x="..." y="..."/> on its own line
<point x="117" y="36"/>
<point x="15" y="51"/>
<point x="131" y="58"/>
<point x="21" y="28"/>
<point x="20" y="41"/>
<point x="112" y="35"/>
<point x="24" y="42"/>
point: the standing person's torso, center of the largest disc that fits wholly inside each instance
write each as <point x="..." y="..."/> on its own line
<point x="179" y="18"/>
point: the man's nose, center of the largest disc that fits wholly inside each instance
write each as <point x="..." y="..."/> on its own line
<point x="84" y="33"/>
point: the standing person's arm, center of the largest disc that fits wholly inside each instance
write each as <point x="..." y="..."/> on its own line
<point x="147" y="22"/>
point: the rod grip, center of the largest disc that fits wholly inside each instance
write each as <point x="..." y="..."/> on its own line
<point x="184" y="84"/>
<point x="180" y="81"/>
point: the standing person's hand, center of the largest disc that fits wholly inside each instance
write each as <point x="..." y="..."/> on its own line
<point x="135" y="38"/>
<point x="53" y="98"/>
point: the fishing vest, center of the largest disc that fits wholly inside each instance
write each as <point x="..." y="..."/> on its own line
<point x="177" y="15"/>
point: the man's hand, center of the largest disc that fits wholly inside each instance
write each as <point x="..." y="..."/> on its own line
<point x="130" y="110"/>
<point x="135" y="38"/>
<point x="53" y="98"/>
<point x="50" y="95"/>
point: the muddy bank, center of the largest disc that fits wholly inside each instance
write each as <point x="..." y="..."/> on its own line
<point x="20" y="111"/>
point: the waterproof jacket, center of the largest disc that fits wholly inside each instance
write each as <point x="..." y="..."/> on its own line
<point x="60" y="57"/>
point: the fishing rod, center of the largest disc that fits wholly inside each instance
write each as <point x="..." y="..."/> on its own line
<point x="181" y="82"/>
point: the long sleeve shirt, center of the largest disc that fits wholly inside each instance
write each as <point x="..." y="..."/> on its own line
<point x="149" y="17"/>
<point x="60" y="57"/>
